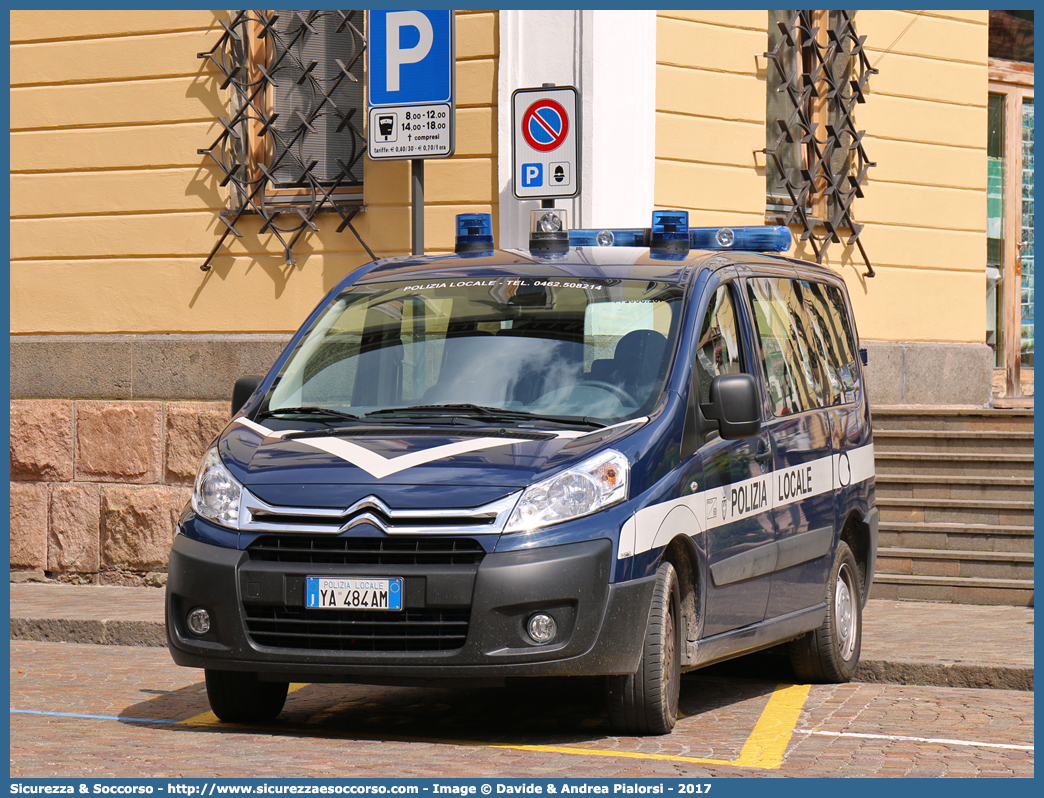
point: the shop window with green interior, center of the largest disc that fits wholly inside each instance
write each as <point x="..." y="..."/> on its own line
<point x="1010" y="302"/>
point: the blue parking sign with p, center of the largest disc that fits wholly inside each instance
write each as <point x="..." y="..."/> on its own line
<point x="410" y="77"/>
<point x="532" y="175"/>
<point x="410" y="57"/>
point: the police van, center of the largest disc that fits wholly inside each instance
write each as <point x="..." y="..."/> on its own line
<point x="622" y="454"/>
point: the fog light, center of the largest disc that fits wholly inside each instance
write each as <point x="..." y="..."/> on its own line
<point x="199" y="621"/>
<point x="542" y="628"/>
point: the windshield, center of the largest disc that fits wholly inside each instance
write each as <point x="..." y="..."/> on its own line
<point x="553" y="347"/>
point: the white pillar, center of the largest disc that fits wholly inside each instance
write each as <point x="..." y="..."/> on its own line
<point x="610" y="56"/>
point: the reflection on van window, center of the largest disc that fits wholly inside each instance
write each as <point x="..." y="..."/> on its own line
<point x="718" y="349"/>
<point x="594" y="348"/>
<point x="833" y="335"/>
<point x="807" y="350"/>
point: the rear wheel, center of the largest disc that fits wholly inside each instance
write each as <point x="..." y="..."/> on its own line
<point x="831" y="652"/>
<point x="646" y="702"/>
<point x="241" y="697"/>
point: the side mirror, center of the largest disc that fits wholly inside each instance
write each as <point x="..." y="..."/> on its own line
<point x="243" y="390"/>
<point x="735" y="405"/>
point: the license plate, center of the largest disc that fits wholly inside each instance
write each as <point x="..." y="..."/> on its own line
<point x="353" y="593"/>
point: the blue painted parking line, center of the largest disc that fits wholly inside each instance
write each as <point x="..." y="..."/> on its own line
<point x="89" y="717"/>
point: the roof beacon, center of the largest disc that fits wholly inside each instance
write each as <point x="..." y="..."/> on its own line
<point x="549" y="230"/>
<point x="669" y="231"/>
<point x="474" y="232"/>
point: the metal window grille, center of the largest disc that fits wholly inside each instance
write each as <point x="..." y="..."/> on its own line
<point x="817" y="162"/>
<point x="293" y="143"/>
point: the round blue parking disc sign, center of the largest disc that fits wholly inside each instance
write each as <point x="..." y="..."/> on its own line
<point x="545" y="125"/>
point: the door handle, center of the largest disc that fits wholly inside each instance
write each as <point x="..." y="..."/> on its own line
<point x="764" y="452"/>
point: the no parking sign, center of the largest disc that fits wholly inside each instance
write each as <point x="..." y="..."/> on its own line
<point x="545" y="151"/>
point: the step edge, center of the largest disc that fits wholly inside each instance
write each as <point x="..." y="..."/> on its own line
<point x="957" y="554"/>
<point x="1015" y="482"/>
<point x="971" y="434"/>
<point x="954" y="528"/>
<point x="896" y="501"/>
<point x="953" y="581"/>
<point x="941" y="454"/>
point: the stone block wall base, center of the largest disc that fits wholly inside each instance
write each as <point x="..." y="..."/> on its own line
<point x="41" y="440"/>
<point x="928" y="373"/>
<point x="158" y="367"/>
<point x="97" y="486"/>
<point x="104" y="578"/>
<point x="132" y="579"/>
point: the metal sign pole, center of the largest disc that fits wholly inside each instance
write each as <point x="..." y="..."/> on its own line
<point x="410" y="91"/>
<point x="548" y="202"/>
<point x="417" y="202"/>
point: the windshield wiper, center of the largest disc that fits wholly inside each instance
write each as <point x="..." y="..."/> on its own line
<point x="465" y="408"/>
<point x="307" y="411"/>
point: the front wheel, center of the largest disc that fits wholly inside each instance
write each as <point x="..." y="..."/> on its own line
<point x="241" y="697"/>
<point x="646" y="702"/>
<point x="831" y="652"/>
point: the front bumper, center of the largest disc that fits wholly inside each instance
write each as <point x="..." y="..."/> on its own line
<point x="259" y="622"/>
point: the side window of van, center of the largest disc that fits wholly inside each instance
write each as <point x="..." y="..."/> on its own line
<point x="792" y="365"/>
<point x="718" y="350"/>
<point x="808" y="353"/>
<point x="829" y="317"/>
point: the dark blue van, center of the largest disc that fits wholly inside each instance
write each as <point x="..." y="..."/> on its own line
<point x="619" y="453"/>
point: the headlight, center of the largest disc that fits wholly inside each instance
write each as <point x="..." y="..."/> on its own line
<point x="216" y="494"/>
<point x="594" y="484"/>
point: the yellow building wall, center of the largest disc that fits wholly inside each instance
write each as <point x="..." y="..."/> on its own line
<point x="925" y="203"/>
<point x="113" y="210"/>
<point x="925" y="120"/>
<point x="710" y="115"/>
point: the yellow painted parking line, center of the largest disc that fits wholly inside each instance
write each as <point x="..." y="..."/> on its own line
<point x="771" y="736"/>
<point x="763" y="749"/>
<point x="210" y="719"/>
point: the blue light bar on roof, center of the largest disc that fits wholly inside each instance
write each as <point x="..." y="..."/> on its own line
<point x="756" y="239"/>
<point x="617" y="237"/>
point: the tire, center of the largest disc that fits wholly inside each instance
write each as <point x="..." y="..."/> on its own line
<point x="831" y="652"/>
<point x="240" y="697"/>
<point x="646" y="702"/>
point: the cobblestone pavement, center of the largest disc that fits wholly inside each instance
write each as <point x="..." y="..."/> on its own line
<point x="103" y="711"/>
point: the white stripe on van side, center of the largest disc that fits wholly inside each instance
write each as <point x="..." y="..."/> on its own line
<point x="751" y="497"/>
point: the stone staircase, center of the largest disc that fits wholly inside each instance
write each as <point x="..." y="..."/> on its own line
<point x="955" y="489"/>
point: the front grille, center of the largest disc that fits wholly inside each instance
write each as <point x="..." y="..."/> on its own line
<point x="257" y="515"/>
<point x="356" y="630"/>
<point x="366" y="551"/>
<point x="288" y="520"/>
